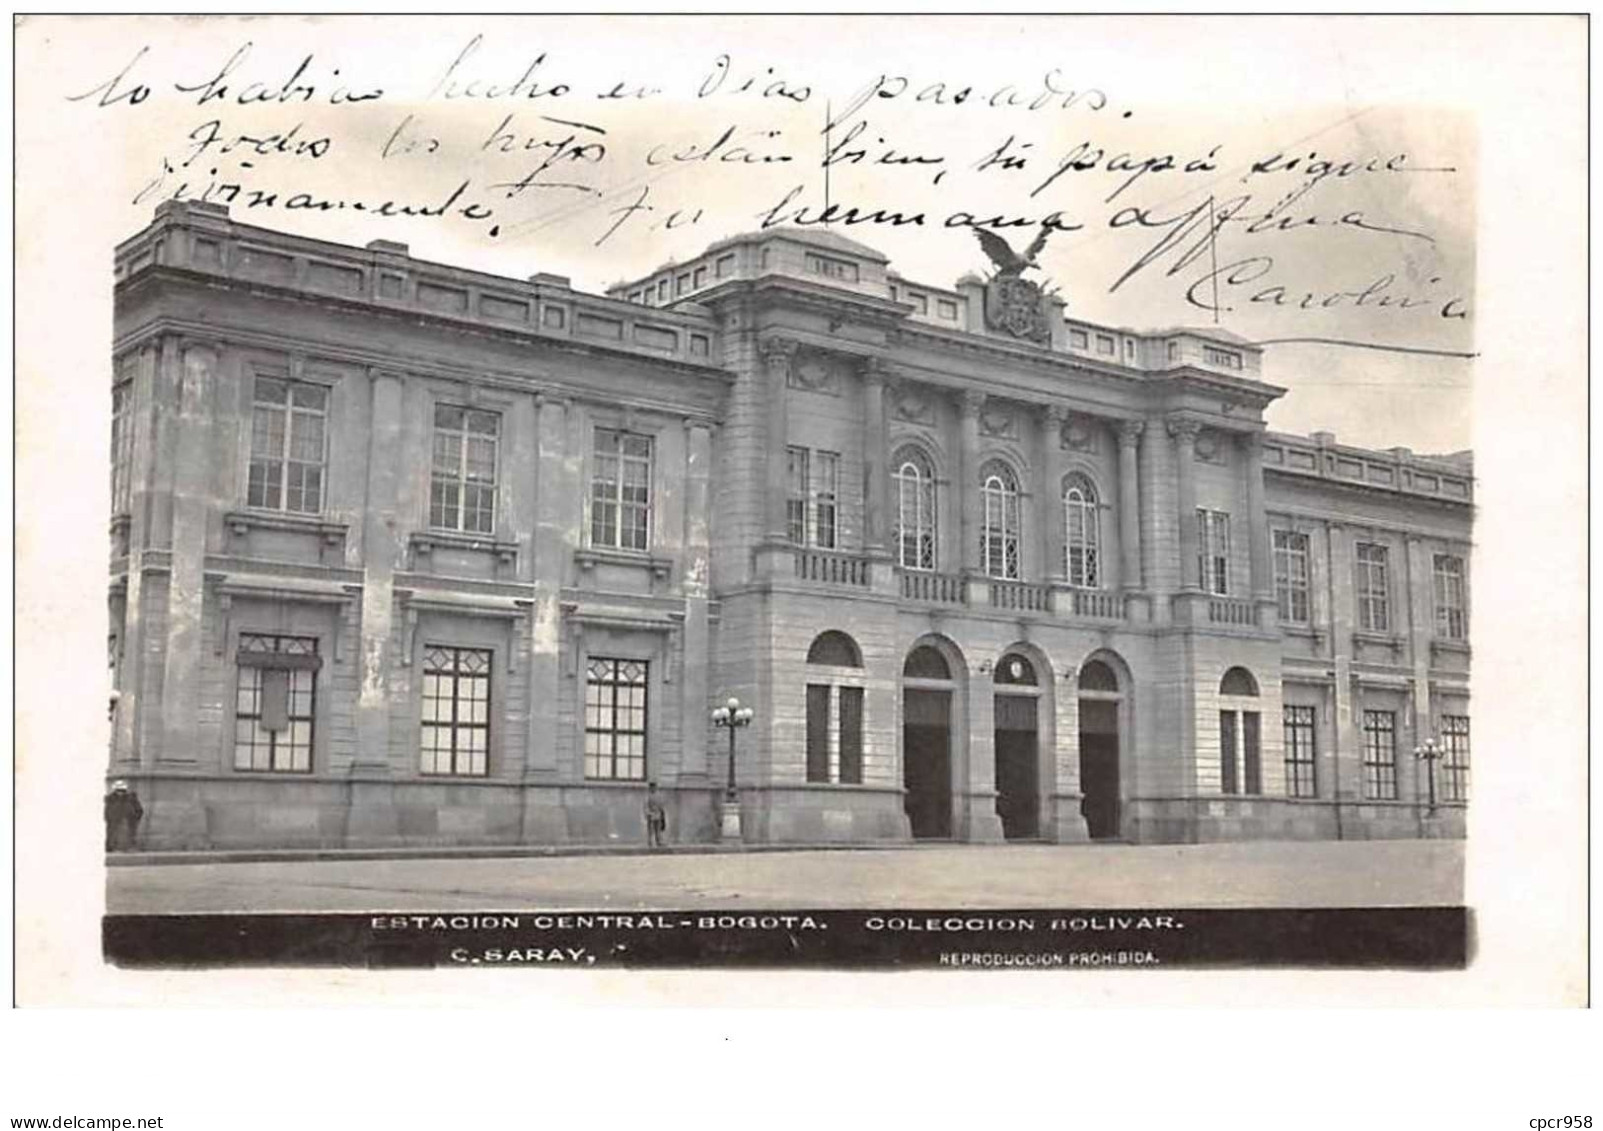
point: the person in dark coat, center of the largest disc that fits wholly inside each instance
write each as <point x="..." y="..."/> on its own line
<point x="123" y="814"/>
<point x="656" y="817"/>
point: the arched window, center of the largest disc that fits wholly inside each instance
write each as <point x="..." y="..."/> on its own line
<point x="999" y="532"/>
<point x="835" y="649"/>
<point x="1015" y="669"/>
<point x="925" y="662"/>
<point x="834" y="712"/>
<point x="1083" y="541"/>
<point x="914" y="479"/>
<point x="1240" y="745"/>
<point x="1097" y="676"/>
<point x="1238" y="681"/>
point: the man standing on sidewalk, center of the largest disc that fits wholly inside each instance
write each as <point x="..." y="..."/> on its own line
<point x="656" y="817"/>
<point x="123" y="813"/>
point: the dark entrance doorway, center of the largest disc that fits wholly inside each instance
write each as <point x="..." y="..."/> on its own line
<point x="1099" y="750"/>
<point x="1018" y="774"/>
<point x="927" y="762"/>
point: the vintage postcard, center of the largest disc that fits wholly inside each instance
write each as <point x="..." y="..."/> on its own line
<point x="1070" y="495"/>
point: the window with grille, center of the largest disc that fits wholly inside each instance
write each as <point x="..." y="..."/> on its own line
<point x="1213" y="551"/>
<point x="1082" y="525"/>
<point x="456" y="711"/>
<point x="287" y="450"/>
<point x="1448" y="577"/>
<point x="615" y="719"/>
<point x="1298" y="723"/>
<point x="462" y="488"/>
<point x="275" y="703"/>
<point x="810" y="507"/>
<point x="620" y="490"/>
<point x="999" y="530"/>
<point x="1291" y="576"/>
<point x="122" y="446"/>
<point x="915" y="509"/>
<point x="1374" y="596"/>
<point x="1380" y="755"/>
<point x="1455" y="763"/>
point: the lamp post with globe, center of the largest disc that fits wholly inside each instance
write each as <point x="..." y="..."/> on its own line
<point x="1430" y="752"/>
<point x="732" y="716"/>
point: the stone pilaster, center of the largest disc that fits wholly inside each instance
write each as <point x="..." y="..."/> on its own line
<point x="381" y="551"/>
<point x="1262" y="581"/>
<point x="127" y="743"/>
<point x="978" y="822"/>
<point x="1130" y="504"/>
<point x="968" y="485"/>
<point x="1185" y="450"/>
<point x="1343" y="765"/>
<point x="697" y="589"/>
<point x="1054" y="557"/>
<point x="557" y="482"/>
<point x="778" y="354"/>
<point x="191" y="458"/>
<point x="876" y="453"/>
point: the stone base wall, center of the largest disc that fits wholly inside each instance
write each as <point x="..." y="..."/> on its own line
<point x="218" y="812"/>
<point x="1203" y="820"/>
<point x="192" y="812"/>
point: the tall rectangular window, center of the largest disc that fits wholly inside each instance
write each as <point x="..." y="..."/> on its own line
<point x="288" y="423"/>
<point x="1374" y="594"/>
<point x="851" y="735"/>
<point x="1455" y="765"/>
<point x="620" y="490"/>
<point x="122" y="446"/>
<point x="1300" y="750"/>
<point x="817" y="732"/>
<point x="810" y="506"/>
<point x="798" y="477"/>
<point x="1228" y="759"/>
<point x="1380" y="755"/>
<point x="1213" y="551"/>
<point x="456" y="711"/>
<point x="275" y="703"/>
<point x="1447" y="575"/>
<point x="1291" y="576"/>
<point x="462" y="488"/>
<point x="615" y="719"/>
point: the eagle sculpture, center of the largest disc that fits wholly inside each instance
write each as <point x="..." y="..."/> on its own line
<point x="1009" y="264"/>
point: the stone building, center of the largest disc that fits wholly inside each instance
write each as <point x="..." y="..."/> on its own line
<point x="408" y="554"/>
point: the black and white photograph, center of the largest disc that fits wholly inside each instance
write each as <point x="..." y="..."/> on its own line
<point x="839" y="494"/>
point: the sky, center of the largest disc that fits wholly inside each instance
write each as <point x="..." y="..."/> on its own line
<point x="1340" y="185"/>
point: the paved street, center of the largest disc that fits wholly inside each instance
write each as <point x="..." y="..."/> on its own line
<point x="1372" y="873"/>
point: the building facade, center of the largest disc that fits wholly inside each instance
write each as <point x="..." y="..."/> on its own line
<point x="404" y="554"/>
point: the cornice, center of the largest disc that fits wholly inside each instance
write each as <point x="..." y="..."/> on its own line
<point x="157" y="274"/>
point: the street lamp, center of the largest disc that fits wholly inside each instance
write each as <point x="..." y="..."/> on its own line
<point x="732" y="716"/>
<point x="1430" y="752"/>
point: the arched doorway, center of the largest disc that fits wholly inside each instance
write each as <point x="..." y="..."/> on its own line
<point x="1018" y="770"/>
<point x="927" y="742"/>
<point x="1100" y="697"/>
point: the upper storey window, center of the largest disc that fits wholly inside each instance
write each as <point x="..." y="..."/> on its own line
<point x="1082" y="527"/>
<point x="1291" y="575"/>
<point x="999" y="534"/>
<point x="287" y="449"/>
<point x="620" y="490"/>
<point x="1213" y="551"/>
<point x="122" y="446"/>
<point x="1447" y="572"/>
<point x="915" y="509"/>
<point x="830" y="268"/>
<point x="462" y="489"/>
<point x="1374" y="589"/>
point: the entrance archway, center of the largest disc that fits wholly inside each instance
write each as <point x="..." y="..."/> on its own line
<point x="1100" y="697"/>
<point x="927" y="742"/>
<point x="1018" y="746"/>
